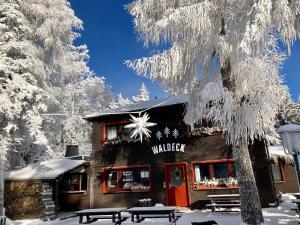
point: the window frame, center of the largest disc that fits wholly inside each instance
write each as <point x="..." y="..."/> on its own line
<point x="211" y="171"/>
<point x="69" y="176"/>
<point x="281" y="170"/>
<point x="110" y="124"/>
<point x="120" y="169"/>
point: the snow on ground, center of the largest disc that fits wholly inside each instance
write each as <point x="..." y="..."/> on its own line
<point x="282" y="215"/>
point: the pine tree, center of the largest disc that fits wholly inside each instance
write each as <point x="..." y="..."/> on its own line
<point x="38" y="60"/>
<point x="143" y="95"/>
<point x="225" y="54"/>
<point x="123" y="101"/>
<point x="292" y="113"/>
<point x="85" y="96"/>
<point x="22" y="100"/>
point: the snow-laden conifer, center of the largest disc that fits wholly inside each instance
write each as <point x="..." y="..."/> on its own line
<point x="66" y="124"/>
<point x="22" y="100"/>
<point x="143" y="94"/>
<point x="121" y="101"/>
<point x="39" y="60"/>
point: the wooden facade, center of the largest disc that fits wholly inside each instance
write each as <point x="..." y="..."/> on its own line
<point x="168" y="165"/>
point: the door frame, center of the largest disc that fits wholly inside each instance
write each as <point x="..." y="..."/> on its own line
<point x="187" y="181"/>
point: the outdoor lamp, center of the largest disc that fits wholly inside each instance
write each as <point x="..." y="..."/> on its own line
<point x="290" y="135"/>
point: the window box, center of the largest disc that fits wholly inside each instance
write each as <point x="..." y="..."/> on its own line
<point x="126" y="179"/>
<point x="230" y="186"/>
<point x="204" y="187"/>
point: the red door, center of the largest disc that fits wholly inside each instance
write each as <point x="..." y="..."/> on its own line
<point x="176" y="184"/>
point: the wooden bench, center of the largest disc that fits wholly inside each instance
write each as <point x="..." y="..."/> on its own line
<point x="102" y="213"/>
<point x="140" y="213"/>
<point x="297" y="201"/>
<point x="224" y="201"/>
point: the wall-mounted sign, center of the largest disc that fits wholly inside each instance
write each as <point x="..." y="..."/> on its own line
<point x="169" y="146"/>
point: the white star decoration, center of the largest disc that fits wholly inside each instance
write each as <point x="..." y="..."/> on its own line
<point x="140" y="125"/>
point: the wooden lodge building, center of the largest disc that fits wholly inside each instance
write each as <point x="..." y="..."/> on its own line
<point x="178" y="165"/>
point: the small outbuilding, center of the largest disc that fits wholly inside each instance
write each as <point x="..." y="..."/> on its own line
<point x="42" y="189"/>
<point x="283" y="170"/>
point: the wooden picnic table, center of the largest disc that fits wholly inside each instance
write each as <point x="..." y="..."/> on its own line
<point x="297" y="195"/>
<point x="225" y="196"/>
<point x="151" y="212"/>
<point x="224" y="200"/>
<point x="297" y="201"/>
<point x="115" y="213"/>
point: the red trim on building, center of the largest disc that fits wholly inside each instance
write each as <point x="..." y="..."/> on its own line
<point x="211" y="172"/>
<point x="119" y="122"/>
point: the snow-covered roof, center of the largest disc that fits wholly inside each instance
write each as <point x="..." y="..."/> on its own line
<point x="154" y="103"/>
<point x="44" y="170"/>
<point x="277" y="152"/>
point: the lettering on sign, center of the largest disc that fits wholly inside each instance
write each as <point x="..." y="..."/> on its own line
<point x="170" y="146"/>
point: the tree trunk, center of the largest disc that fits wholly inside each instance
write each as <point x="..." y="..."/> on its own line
<point x="250" y="203"/>
<point x="2" y="180"/>
<point x="251" y="211"/>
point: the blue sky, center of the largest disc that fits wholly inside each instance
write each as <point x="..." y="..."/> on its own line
<point x="111" y="39"/>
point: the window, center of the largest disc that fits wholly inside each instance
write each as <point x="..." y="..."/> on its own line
<point x="277" y="172"/>
<point x="111" y="132"/>
<point x="134" y="178"/>
<point x="214" y="174"/>
<point x="74" y="182"/>
<point x="116" y="132"/>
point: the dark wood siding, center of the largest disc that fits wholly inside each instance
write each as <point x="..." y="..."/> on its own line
<point x="290" y="183"/>
<point x="198" y="148"/>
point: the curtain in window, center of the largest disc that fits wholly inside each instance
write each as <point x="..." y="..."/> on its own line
<point x="111" y="133"/>
<point x="197" y="174"/>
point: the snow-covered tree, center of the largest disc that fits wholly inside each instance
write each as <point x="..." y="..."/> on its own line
<point x="22" y="100"/>
<point x="142" y="96"/>
<point x="65" y="124"/>
<point x="37" y="45"/>
<point x="225" y="54"/>
<point x="292" y="113"/>
<point x="54" y="29"/>
<point x="113" y="104"/>
<point x="123" y="101"/>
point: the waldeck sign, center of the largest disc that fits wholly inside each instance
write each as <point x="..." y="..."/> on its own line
<point x="173" y="146"/>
